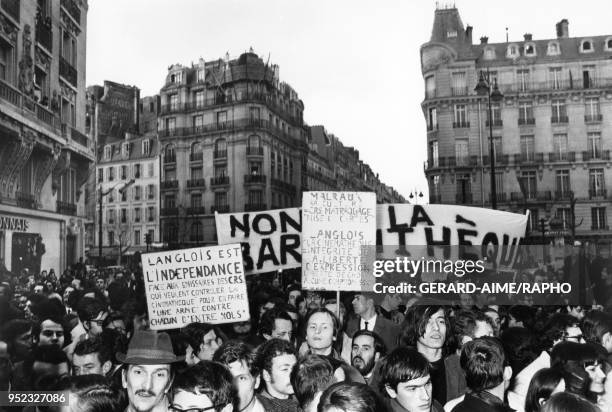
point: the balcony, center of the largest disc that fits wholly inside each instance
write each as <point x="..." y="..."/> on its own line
<point x="432" y="127"/>
<point x="463" y="198"/>
<point x="219" y="209"/>
<point x="196" y="157"/>
<point x="500" y="197"/>
<point x="564" y="195"/>
<point x="559" y="119"/>
<point x="170" y="158"/>
<point x="459" y="91"/>
<point x="435" y="198"/>
<point x="219" y="181"/>
<point x="254" y="207"/>
<point x="460" y="125"/>
<point x="169" y="211"/>
<point x="11" y="7"/>
<point x="193" y="183"/>
<point x="255" y="179"/>
<point x="73" y="10"/>
<point x="500" y="159"/>
<point x="593" y="118"/>
<point x="289" y="187"/>
<point x="526" y="121"/>
<point x="597" y="194"/>
<point x="496" y="123"/>
<point x="44" y="33"/>
<point x="562" y="157"/>
<point x="544" y="196"/>
<point x="527" y="158"/>
<point x="26" y="200"/>
<point x="595" y="155"/>
<point x="169" y="184"/>
<point x="255" y="151"/>
<point x="600" y="227"/>
<point x="196" y="210"/>
<point x="67" y="71"/>
<point x="70" y="133"/>
<point x="14" y="97"/>
<point x="220" y="156"/>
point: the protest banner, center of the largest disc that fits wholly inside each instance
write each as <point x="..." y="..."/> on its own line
<point x="335" y="227"/>
<point x="195" y="285"/>
<point x="495" y="234"/>
<point x="270" y="239"/>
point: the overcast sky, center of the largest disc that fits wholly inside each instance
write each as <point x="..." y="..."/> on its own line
<point x="354" y="63"/>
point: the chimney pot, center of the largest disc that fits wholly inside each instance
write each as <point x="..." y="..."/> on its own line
<point x="563" y="29"/>
<point x="484" y="40"/>
<point x="468" y="34"/>
<point x="528" y="36"/>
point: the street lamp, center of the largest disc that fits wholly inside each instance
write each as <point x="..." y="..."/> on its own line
<point x="101" y="194"/>
<point x="485" y="88"/>
<point x="415" y="196"/>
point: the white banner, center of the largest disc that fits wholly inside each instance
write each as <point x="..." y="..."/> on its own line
<point x="335" y="227"/>
<point x="195" y="285"/>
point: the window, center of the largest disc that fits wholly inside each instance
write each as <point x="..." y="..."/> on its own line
<point x="591" y="109"/>
<point x="196" y="200"/>
<point x="608" y="44"/>
<point x="559" y="112"/>
<point x="220" y="148"/>
<point x="169" y="155"/>
<point x="220" y="199"/>
<point x="430" y="87"/>
<point x="196" y="151"/>
<point x="196" y="232"/>
<point x="170" y="173"/>
<point x="169" y="201"/>
<point x="526" y="112"/>
<point x="108" y="152"/>
<point x="565" y="215"/>
<point x="586" y="46"/>
<point x="137" y="192"/>
<point x="68" y="48"/>
<point x="451" y="34"/>
<point x="255" y="168"/>
<point x="496" y="114"/>
<point x="435" y="186"/>
<point x="7" y="63"/>
<point x="151" y="107"/>
<point x="554" y="78"/>
<point x="100" y="175"/>
<point x="111" y="196"/>
<point x="151" y="233"/>
<point x="197" y="173"/>
<point x="560" y="147"/>
<point x="198" y="122"/>
<point x="530" y="49"/>
<point x="146" y="147"/>
<point x="137" y="171"/>
<point x="432" y="119"/>
<point x="68" y="112"/>
<point x="433" y="154"/>
<point x="523" y="79"/>
<point x="459" y="84"/>
<point x="464" y="190"/>
<point x="596" y="182"/>
<point x="171" y="124"/>
<point x="220" y="171"/>
<point x="489" y="53"/>
<point x="528" y="185"/>
<point x="221" y="118"/>
<point x="111" y="237"/>
<point x="598" y="218"/>
<point x="533" y="223"/>
<point x="499" y="183"/>
<point x="126" y="149"/>
<point x="512" y="51"/>
<point x="111" y="173"/>
<point x="137" y="214"/>
<point x="137" y="237"/>
<point x="553" y="48"/>
<point x="461" y="115"/>
<point x="462" y="152"/>
<point x="199" y="99"/>
<point x="111" y="216"/>
<point x="176" y="77"/>
<point x="254" y="113"/>
<point x="151" y="213"/>
<point x="528" y="148"/>
<point x="123" y="172"/>
<point x="254" y="142"/>
<point x="273" y="164"/>
<point x="285" y="169"/>
<point x="151" y="167"/>
<point x="594" y="145"/>
<point x="588" y="76"/>
<point x="255" y="197"/>
<point x="562" y="183"/>
<point x="151" y="192"/>
<point x="497" y="148"/>
<point x="124" y="215"/>
<point x="123" y="195"/>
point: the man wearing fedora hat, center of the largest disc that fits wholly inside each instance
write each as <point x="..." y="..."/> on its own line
<point x="147" y="373"/>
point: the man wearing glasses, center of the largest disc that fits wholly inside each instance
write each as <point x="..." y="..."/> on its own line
<point x="92" y="314"/>
<point x="147" y="373"/>
<point x="206" y="386"/>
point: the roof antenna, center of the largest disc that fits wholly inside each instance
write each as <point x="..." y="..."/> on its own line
<point x="506" y="35"/>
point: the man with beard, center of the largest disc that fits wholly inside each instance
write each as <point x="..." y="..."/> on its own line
<point x="147" y="373"/>
<point x="366" y="350"/>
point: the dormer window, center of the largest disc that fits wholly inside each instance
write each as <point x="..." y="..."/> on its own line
<point x="146" y="147"/>
<point x="586" y="46"/>
<point x="176" y="77"/>
<point x="108" y="152"/>
<point x="201" y="75"/>
<point x="530" y="49"/>
<point x="553" y="48"/>
<point x="512" y="51"/>
<point x="489" y="53"/>
<point x="609" y="44"/>
<point x="125" y="149"/>
<point x="451" y="34"/>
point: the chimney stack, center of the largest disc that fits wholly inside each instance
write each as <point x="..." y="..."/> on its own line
<point x="528" y="36"/>
<point x="468" y="34"/>
<point x="484" y="40"/>
<point x="563" y="29"/>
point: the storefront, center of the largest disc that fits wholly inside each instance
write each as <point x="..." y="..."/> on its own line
<point x="38" y="240"/>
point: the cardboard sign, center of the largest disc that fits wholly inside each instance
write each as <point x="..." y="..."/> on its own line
<point x="270" y="239"/>
<point x="495" y="234"/>
<point x="195" y="285"/>
<point x="335" y="227"/>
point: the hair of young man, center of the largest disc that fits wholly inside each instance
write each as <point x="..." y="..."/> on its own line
<point x="270" y="350"/>
<point x="483" y="360"/>
<point x="118" y="293"/>
<point x="322" y="310"/>
<point x="236" y="351"/>
<point x="416" y="320"/>
<point x="94" y="345"/>
<point x="197" y="330"/>
<point x="14" y="328"/>
<point x="595" y="325"/>
<point x="267" y="321"/>
<point x="94" y="393"/>
<point x="180" y="342"/>
<point x="208" y="378"/>
<point x="310" y="375"/>
<point x="521" y="347"/>
<point x="350" y="396"/>
<point x="89" y="308"/>
<point x="47" y="354"/>
<point x="379" y="344"/>
<point x="402" y="364"/>
<point x="556" y="328"/>
<point x="542" y="386"/>
<point x="568" y="402"/>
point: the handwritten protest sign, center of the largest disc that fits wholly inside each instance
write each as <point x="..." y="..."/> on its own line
<point x="270" y="239"/>
<point x="195" y="285"/>
<point x="496" y="234"/>
<point x="335" y="227"/>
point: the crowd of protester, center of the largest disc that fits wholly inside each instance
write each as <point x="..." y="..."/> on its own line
<point x="86" y="332"/>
